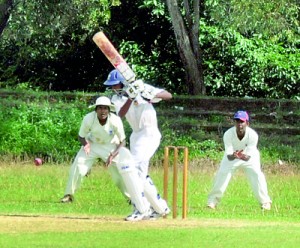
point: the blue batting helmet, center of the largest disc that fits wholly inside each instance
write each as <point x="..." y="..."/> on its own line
<point x="114" y="77"/>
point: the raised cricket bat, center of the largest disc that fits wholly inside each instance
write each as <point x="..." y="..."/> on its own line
<point x="113" y="56"/>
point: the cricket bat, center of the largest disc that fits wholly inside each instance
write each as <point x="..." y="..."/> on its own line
<point x="113" y="56"/>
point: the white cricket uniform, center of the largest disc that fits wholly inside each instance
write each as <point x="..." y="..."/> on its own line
<point x="252" y="167"/>
<point x="145" y="137"/>
<point x="104" y="140"/>
<point x="144" y="141"/>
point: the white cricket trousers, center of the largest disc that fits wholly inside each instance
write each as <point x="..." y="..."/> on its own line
<point x="253" y="172"/>
<point x="83" y="163"/>
<point x="123" y="173"/>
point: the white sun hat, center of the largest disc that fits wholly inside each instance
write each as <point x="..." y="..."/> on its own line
<point x="103" y="100"/>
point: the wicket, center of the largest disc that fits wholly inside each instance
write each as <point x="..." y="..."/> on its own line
<point x="175" y="178"/>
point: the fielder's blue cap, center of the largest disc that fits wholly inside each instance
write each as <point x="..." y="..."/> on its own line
<point x="241" y="115"/>
<point x="114" y="77"/>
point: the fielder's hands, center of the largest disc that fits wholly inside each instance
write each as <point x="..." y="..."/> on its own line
<point x="237" y="154"/>
<point x="135" y="88"/>
<point x="110" y="158"/>
<point x="87" y="148"/>
<point x="241" y="155"/>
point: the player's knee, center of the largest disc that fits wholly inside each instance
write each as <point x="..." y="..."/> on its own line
<point x="82" y="167"/>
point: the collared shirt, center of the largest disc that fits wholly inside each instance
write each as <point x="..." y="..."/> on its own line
<point x="248" y="144"/>
<point x="111" y="132"/>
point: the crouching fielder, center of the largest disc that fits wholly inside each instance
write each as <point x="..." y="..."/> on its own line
<point x="240" y="152"/>
<point x="102" y="136"/>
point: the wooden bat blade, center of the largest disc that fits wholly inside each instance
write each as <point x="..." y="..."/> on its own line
<point x="113" y="56"/>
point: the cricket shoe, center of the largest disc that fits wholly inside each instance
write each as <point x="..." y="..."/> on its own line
<point x="137" y="216"/>
<point x="67" y="199"/>
<point x="211" y="205"/>
<point x="88" y="173"/>
<point x="266" y="206"/>
<point x="155" y="215"/>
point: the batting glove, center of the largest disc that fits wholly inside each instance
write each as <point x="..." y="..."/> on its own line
<point x="133" y="89"/>
<point x="148" y="93"/>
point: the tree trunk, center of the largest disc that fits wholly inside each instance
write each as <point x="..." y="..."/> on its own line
<point x="186" y="31"/>
<point x="5" y="9"/>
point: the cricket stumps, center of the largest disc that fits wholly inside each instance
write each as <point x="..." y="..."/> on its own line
<point x="175" y="150"/>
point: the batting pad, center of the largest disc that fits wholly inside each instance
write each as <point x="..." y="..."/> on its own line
<point x="133" y="183"/>
<point x="118" y="180"/>
<point x="156" y="202"/>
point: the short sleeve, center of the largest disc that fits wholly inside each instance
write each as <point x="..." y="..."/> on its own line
<point x="86" y="125"/>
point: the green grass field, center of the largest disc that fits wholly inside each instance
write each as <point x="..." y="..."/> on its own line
<point x="31" y="215"/>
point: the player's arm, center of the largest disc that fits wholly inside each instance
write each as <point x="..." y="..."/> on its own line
<point x="120" y="133"/>
<point x="229" y="150"/>
<point x="132" y="91"/>
<point x="154" y="94"/>
<point x="251" y="148"/>
<point x="124" y="109"/>
<point x="115" y="152"/>
<point x="83" y="131"/>
<point x="164" y="95"/>
<point x="85" y="144"/>
<point x="231" y="157"/>
<point x="82" y="140"/>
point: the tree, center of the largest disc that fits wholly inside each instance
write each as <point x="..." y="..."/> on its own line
<point x="272" y="19"/>
<point x="5" y="10"/>
<point x="185" y="20"/>
<point x="52" y="45"/>
<point x="47" y="44"/>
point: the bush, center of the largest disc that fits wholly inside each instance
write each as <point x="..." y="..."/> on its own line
<point x="41" y="129"/>
<point x="48" y="127"/>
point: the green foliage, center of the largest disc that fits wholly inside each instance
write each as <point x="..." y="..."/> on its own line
<point x="40" y="129"/>
<point x="274" y="153"/>
<point x="248" y="67"/>
<point x="272" y="19"/>
<point x="243" y="54"/>
<point x="199" y="146"/>
<point x="158" y="8"/>
<point x="146" y="66"/>
<point x="42" y="45"/>
<point x="46" y="125"/>
<point x="93" y="13"/>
